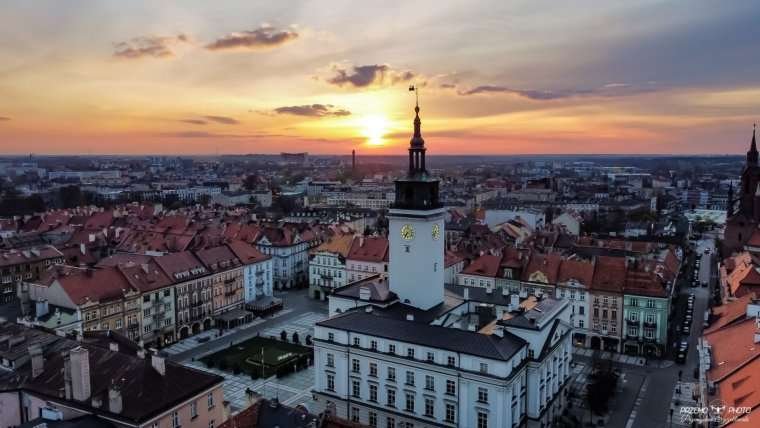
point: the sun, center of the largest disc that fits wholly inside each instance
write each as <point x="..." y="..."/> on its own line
<point x="374" y="128"/>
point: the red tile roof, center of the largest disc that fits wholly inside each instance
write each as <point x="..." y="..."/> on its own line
<point x="94" y="285"/>
<point x="609" y="274"/>
<point x="369" y="249"/>
<point x="546" y="264"/>
<point x="579" y="270"/>
<point x="247" y="253"/>
<point x="485" y="265"/>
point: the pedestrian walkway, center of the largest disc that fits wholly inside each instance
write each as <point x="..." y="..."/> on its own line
<point x="213" y="334"/>
<point x="684" y="401"/>
<point x="622" y="358"/>
<point x="303" y="325"/>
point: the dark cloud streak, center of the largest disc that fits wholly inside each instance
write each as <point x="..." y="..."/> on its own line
<point x="314" y="110"/>
<point x="261" y="38"/>
<point x="150" y="46"/>
<point x="362" y="76"/>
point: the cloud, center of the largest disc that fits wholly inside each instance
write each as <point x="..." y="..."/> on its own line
<point x="314" y="110"/>
<point x="204" y="134"/>
<point x="194" y="121"/>
<point x="205" y="120"/>
<point x="4" y="118"/>
<point x="261" y="38"/>
<point x="362" y="76"/>
<point x="607" y="90"/>
<point x="150" y="46"/>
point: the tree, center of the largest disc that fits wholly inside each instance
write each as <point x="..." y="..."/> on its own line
<point x="296" y="339"/>
<point x="250" y="182"/>
<point x="284" y="336"/>
<point x="70" y="196"/>
<point x="600" y="390"/>
<point x="308" y="340"/>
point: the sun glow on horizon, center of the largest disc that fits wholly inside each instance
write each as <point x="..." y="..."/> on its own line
<point x="374" y="128"/>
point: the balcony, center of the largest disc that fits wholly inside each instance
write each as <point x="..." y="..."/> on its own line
<point x="652" y="324"/>
<point x="632" y="321"/>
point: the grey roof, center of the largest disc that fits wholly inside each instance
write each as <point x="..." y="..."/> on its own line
<point x="531" y="318"/>
<point x="88" y="421"/>
<point x="450" y="339"/>
<point x="378" y="288"/>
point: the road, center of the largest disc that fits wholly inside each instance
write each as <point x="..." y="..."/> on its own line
<point x="297" y="302"/>
<point x="656" y="403"/>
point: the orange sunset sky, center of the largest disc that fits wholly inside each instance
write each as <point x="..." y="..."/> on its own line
<point x="495" y="77"/>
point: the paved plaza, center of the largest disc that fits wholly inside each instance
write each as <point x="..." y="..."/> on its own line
<point x="292" y="390"/>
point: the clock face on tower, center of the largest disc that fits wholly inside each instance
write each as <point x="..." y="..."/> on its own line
<point x="436" y="232"/>
<point x="407" y="232"/>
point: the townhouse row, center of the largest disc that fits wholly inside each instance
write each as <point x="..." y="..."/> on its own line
<point x="153" y="299"/>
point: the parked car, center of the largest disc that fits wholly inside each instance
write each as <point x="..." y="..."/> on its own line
<point x="681" y="356"/>
<point x="686" y="329"/>
<point x="704" y="283"/>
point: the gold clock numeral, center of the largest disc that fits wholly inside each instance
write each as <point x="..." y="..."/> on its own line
<point x="436" y="231"/>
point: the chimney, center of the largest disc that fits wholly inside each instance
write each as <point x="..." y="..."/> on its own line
<point x="364" y="293"/>
<point x="92" y="237"/>
<point x="159" y="364"/>
<point x="113" y="346"/>
<point x="79" y="369"/>
<point x="145" y="268"/>
<point x="38" y="360"/>
<point x="498" y="331"/>
<point x="409" y="317"/>
<point x="115" y="404"/>
<point x="466" y="294"/>
<point x="514" y="302"/>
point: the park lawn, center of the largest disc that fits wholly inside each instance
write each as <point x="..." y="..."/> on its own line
<point x="247" y="355"/>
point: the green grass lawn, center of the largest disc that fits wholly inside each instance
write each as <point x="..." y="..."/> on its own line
<point x="247" y="356"/>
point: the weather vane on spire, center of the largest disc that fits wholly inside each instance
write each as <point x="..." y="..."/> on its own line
<point x="416" y="95"/>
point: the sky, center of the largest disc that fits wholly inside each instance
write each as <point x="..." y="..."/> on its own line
<point x="327" y="77"/>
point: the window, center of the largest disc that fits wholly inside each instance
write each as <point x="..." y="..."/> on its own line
<point x="331" y="337"/>
<point x="211" y="424"/>
<point x="430" y="357"/>
<point x="650" y="318"/>
<point x="330" y="360"/>
<point x="429" y="383"/>
<point x="614" y="314"/>
<point x="410" y="352"/>
<point x="649" y="333"/>
<point x="409" y="407"/>
<point x="580" y="324"/>
<point x="482" y="395"/>
<point x="357" y="341"/>
<point x="650" y="303"/>
<point x="451" y="361"/>
<point x="410" y="378"/>
<point x="450" y="413"/>
<point x="175" y="419"/>
<point x="331" y="382"/>
<point x="372" y="419"/>
<point x="373" y="369"/>
<point x="373" y="345"/>
<point x="355" y="367"/>
<point x="450" y="387"/>
<point x="581" y="310"/>
<point x="193" y="410"/>
<point x="390" y="423"/>
<point x="596" y="312"/>
<point x="373" y="392"/>
<point x="482" y="420"/>
<point x="354" y="414"/>
<point x="356" y="388"/>
<point x="604" y="313"/>
<point x="483" y="368"/>
<point x="429" y="407"/>
<point x="391" y="397"/>
<point x="391" y="349"/>
<point x="392" y="374"/>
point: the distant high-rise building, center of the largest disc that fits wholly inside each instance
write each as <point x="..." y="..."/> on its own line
<point x="353" y="160"/>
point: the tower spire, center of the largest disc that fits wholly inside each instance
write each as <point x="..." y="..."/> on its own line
<point x="417" y="144"/>
<point x="752" y="154"/>
<point x="730" y="204"/>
